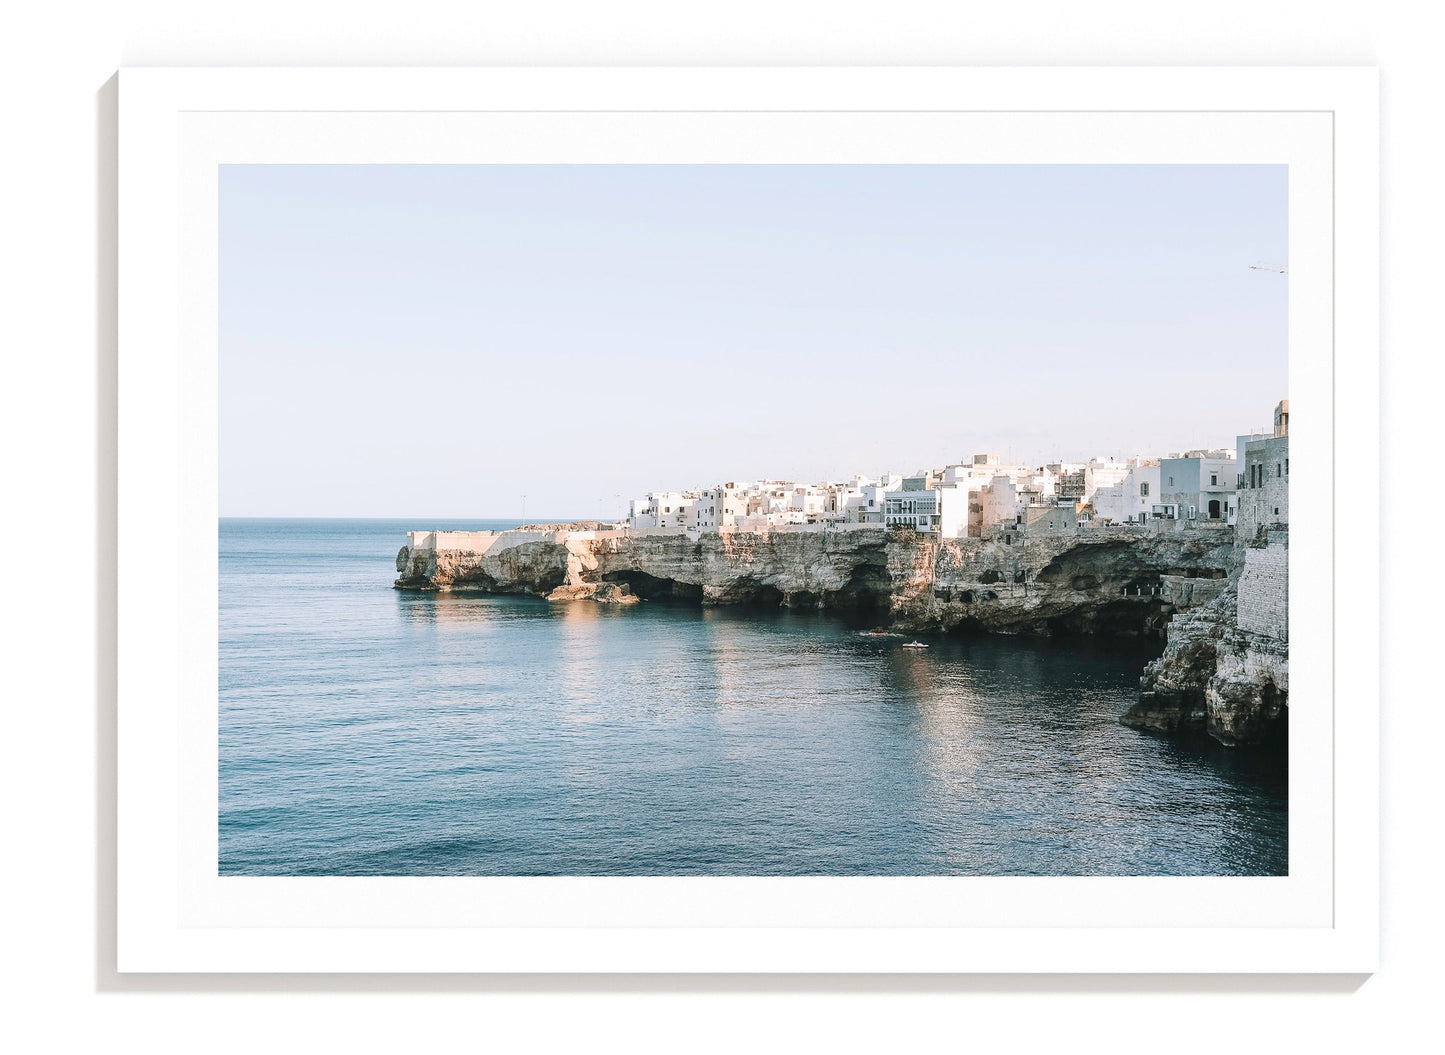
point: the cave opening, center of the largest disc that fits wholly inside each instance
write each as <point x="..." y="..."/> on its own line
<point x="652" y="588"/>
<point x="869" y="589"/>
<point x="757" y="595"/>
<point x="1135" y="617"/>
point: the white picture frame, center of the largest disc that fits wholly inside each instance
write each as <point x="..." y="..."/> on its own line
<point x="175" y="914"/>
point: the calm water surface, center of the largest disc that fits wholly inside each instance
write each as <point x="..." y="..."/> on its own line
<point x="365" y="731"/>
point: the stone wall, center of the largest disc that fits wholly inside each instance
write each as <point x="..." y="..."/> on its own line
<point x="1264" y="588"/>
<point x="1185" y="592"/>
<point x="1266" y="504"/>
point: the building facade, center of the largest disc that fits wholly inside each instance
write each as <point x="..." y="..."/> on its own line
<point x="1199" y="485"/>
<point x="1264" y="479"/>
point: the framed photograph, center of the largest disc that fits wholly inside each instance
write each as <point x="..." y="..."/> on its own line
<point x="748" y="520"/>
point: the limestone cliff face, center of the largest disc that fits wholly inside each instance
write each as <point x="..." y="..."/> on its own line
<point x="1096" y="581"/>
<point x="529" y="567"/>
<point x="1086" y="582"/>
<point x="1225" y="666"/>
<point x="831" y="570"/>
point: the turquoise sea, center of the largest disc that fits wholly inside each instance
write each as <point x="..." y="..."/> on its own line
<point x="366" y="731"/>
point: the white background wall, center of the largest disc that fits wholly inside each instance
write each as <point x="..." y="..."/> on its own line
<point x="57" y="428"/>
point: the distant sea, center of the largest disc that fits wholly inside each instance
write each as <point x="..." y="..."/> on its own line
<point x="366" y="731"/>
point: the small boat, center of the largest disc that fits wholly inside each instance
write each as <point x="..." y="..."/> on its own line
<point x="914" y="644"/>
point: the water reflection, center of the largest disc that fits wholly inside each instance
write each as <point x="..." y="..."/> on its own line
<point x="440" y="609"/>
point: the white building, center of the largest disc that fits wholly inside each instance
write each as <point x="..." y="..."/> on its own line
<point x="870" y="505"/>
<point x="733" y="502"/>
<point x="812" y="501"/>
<point x="851" y="500"/>
<point x="1132" y="499"/>
<point x="953" y="510"/>
<point x="642" y="513"/>
<point x="702" y="512"/>
<point x="939" y="510"/>
<point x="667" y="510"/>
<point x="1198" y="485"/>
<point x="997" y="503"/>
<point x="1104" y="472"/>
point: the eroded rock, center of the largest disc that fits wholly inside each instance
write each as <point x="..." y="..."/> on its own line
<point x="1217" y="675"/>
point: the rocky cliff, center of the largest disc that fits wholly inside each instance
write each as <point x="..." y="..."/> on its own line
<point x="1224" y="668"/>
<point x="1100" y="581"/>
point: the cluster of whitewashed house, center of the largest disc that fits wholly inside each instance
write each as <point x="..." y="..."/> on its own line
<point x="982" y="497"/>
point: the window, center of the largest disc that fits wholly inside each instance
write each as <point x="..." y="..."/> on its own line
<point x="1144" y="488"/>
<point x="1213" y="479"/>
<point x="1171" y="481"/>
<point x="1277" y="472"/>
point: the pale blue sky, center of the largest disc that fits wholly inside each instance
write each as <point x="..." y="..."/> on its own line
<point x="439" y="340"/>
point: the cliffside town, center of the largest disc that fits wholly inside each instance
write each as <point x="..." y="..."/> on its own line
<point x="957" y="554"/>
<point x="978" y="498"/>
